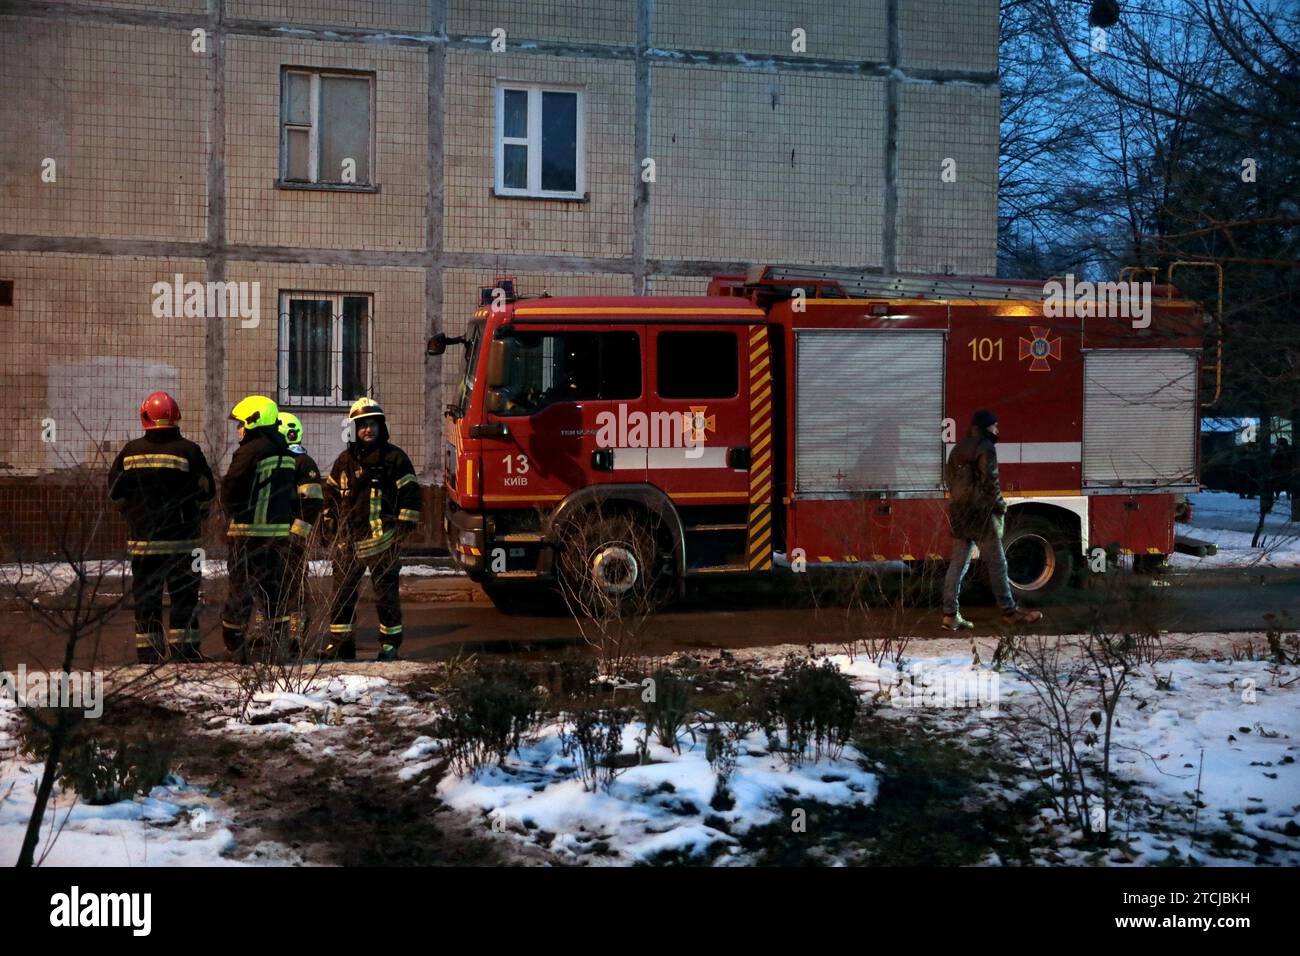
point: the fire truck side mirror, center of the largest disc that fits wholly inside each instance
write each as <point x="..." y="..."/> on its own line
<point x="496" y="363"/>
<point x="437" y="345"/>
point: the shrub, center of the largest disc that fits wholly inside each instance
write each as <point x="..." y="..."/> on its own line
<point x="669" y="712"/>
<point x="721" y="748"/>
<point x="105" y="765"/>
<point x="594" y="737"/>
<point x="807" y="704"/>
<point x="491" y="710"/>
<point x="571" y="676"/>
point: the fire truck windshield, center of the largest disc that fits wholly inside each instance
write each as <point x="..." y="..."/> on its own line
<point x="473" y="338"/>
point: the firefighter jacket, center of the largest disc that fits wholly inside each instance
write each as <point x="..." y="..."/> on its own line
<point x="164" y="488"/>
<point x="259" y="492"/>
<point x="311" y="497"/>
<point x="371" y="494"/>
<point x="974" y="486"/>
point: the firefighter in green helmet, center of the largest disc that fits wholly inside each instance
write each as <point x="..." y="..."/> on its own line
<point x="310" y="502"/>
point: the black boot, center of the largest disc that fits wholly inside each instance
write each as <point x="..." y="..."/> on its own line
<point x="336" y="650"/>
<point x="387" y="652"/>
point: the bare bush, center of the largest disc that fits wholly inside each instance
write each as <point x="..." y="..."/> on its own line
<point x="612" y="577"/>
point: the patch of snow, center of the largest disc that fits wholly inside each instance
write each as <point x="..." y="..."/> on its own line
<point x="652" y="808"/>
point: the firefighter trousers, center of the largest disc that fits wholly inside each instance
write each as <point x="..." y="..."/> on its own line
<point x="295" y="600"/>
<point x="349" y="569"/>
<point x="258" y="569"/>
<point x="151" y="575"/>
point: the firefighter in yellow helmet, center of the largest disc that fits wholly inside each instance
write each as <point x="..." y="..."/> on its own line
<point x="258" y="495"/>
<point x="310" y="501"/>
<point x="372" y="500"/>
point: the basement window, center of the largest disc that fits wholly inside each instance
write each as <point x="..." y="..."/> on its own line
<point x="6" y="292"/>
<point x="326" y="130"/>
<point x="540" y="133"/>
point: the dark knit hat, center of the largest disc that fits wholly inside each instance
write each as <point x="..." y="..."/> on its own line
<point x="983" y="419"/>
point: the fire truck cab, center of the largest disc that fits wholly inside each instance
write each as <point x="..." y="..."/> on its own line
<point x="802" y="419"/>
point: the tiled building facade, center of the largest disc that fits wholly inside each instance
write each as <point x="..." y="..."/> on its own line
<point x="145" y="141"/>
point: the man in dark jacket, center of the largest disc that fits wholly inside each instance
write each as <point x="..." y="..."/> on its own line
<point x="372" y="500"/>
<point x="977" y="512"/>
<point x="259" y="496"/>
<point x="164" y="488"/>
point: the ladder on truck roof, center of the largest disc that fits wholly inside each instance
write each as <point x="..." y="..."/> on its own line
<point x="870" y="285"/>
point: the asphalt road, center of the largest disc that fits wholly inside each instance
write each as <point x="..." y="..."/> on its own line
<point x="731" y="615"/>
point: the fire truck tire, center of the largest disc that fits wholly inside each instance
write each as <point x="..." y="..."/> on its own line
<point x="1040" y="557"/>
<point x="606" y="558"/>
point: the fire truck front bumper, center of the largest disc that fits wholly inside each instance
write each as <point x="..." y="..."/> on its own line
<point x="467" y="541"/>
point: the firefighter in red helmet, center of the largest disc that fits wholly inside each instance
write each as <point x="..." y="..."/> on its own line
<point x="164" y="488"/>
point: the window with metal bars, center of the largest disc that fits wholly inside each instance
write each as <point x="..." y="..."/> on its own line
<point x="325" y="349"/>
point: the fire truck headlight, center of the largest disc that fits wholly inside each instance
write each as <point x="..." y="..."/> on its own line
<point x="468" y="539"/>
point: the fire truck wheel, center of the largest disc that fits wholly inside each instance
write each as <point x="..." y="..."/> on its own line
<point x="606" y="560"/>
<point x="1040" y="558"/>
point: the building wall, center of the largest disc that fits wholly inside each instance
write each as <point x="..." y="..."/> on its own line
<point x="478" y="222"/>
<point x="119" y="110"/>
<point x="167" y="158"/>
<point x="585" y="21"/>
<point x="258" y="213"/>
<point x="83" y="347"/>
<point x="753" y="167"/>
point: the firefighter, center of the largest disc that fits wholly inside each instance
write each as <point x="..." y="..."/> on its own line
<point x="164" y="488"/>
<point x="977" y="514"/>
<point x="372" y="500"/>
<point x="310" y="502"/>
<point x="258" y="495"/>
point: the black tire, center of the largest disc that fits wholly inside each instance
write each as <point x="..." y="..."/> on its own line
<point x="607" y="560"/>
<point x="1040" y="557"/>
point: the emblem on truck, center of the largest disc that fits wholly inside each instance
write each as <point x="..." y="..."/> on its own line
<point x="1040" y="349"/>
<point x="696" y="423"/>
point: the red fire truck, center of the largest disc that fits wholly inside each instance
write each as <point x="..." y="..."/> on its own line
<point x="800" y="419"/>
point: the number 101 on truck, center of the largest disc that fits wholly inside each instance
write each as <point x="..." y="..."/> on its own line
<point x="801" y="419"/>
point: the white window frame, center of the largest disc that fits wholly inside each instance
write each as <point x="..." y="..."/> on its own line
<point x="534" y="141"/>
<point x="313" y="131"/>
<point x="336" y="399"/>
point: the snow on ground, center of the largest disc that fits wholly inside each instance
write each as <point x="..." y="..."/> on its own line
<point x="1225" y="520"/>
<point x="660" y="807"/>
<point x="1228" y="728"/>
<point x="175" y="825"/>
